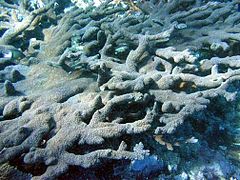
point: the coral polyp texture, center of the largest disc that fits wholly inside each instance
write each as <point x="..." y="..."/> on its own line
<point x="117" y="85"/>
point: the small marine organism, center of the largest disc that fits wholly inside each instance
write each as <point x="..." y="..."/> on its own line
<point x="191" y="140"/>
<point x="10" y="52"/>
<point x="36" y="4"/>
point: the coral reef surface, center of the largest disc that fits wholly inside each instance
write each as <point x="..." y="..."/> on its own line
<point x="134" y="89"/>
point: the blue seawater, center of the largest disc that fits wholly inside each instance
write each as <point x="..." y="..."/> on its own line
<point x="148" y="165"/>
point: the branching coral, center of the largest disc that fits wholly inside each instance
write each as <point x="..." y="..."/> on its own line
<point x="89" y="125"/>
<point x="139" y="79"/>
<point x="171" y="86"/>
<point x="213" y="25"/>
<point x="19" y="20"/>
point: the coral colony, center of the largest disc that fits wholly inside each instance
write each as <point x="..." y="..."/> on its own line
<point x="119" y="89"/>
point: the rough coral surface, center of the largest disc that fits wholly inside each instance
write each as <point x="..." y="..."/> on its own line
<point x="99" y="78"/>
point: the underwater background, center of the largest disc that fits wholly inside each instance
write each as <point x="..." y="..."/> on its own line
<point x="120" y="89"/>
